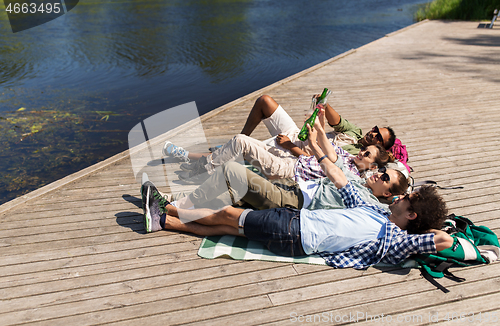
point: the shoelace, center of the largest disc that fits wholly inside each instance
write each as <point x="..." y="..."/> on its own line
<point x="180" y="152"/>
<point x="162" y="202"/>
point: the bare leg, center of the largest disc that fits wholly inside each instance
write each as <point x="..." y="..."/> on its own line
<point x="196" y="156"/>
<point x="228" y="216"/>
<point x="263" y="108"/>
<point x="173" y="223"/>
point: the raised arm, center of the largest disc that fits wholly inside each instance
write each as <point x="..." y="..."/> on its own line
<point x="331" y="115"/>
<point x="323" y="142"/>
<point x="333" y="172"/>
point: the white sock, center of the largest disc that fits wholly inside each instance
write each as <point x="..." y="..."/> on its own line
<point x="174" y="203"/>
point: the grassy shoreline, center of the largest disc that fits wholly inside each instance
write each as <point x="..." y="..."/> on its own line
<point x="459" y="10"/>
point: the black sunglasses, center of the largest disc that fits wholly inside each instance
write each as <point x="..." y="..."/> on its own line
<point x="384" y="176"/>
<point x="378" y="135"/>
<point x="407" y="197"/>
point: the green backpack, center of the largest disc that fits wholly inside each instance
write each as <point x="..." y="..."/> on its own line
<point x="472" y="245"/>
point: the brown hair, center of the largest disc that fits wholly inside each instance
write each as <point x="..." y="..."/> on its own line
<point x="400" y="186"/>
<point x="430" y="208"/>
<point x="383" y="156"/>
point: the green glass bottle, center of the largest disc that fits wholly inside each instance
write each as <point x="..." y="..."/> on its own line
<point x="304" y="133"/>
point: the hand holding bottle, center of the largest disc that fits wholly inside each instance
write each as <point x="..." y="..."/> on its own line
<point x="303" y="134"/>
<point x="312" y="135"/>
<point x="319" y="124"/>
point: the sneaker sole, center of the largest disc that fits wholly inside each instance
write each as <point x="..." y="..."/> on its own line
<point x="144" y="179"/>
<point x="147" y="213"/>
<point x="164" y="150"/>
<point x="194" y="180"/>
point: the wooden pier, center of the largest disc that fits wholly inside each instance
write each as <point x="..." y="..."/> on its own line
<point x="75" y="253"/>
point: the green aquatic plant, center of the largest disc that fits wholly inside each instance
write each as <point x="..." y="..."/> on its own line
<point x="38" y="146"/>
<point x="105" y="114"/>
<point x="22" y="124"/>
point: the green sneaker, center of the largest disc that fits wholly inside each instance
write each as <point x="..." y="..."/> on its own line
<point x="145" y="184"/>
<point x="155" y="212"/>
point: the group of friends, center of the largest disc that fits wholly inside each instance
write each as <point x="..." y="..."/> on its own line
<point x="334" y="194"/>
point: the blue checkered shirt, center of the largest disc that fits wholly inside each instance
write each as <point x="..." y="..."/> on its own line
<point x="393" y="248"/>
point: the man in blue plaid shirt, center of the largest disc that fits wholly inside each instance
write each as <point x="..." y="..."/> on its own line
<point x="358" y="236"/>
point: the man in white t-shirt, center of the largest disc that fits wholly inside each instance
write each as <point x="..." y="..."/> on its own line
<point x="276" y="156"/>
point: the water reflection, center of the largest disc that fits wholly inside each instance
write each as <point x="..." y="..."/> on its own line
<point x="137" y="58"/>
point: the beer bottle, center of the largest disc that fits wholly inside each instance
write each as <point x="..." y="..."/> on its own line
<point x="304" y="133"/>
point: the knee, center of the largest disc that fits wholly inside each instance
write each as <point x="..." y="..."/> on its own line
<point x="265" y="99"/>
<point x="240" y="141"/>
<point x="267" y="104"/>
<point x="231" y="213"/>
<point x="234" y="171"/>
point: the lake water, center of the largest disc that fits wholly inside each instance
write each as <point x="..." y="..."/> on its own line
<point x="71" y="89"/>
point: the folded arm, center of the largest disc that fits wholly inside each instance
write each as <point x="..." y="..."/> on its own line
<point x="286" y="143"/>
<point x="442" y="240"/>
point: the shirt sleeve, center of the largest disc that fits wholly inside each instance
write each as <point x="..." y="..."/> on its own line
<point x="404" y="245"/>
<point x="343" y="155"/>
<point x="350" y="196"/>
<point x="348" y="128"/>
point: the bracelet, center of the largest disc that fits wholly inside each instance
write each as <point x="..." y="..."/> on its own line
<point x="321" y="158"/>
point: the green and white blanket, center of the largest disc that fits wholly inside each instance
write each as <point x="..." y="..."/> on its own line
<point x="243" y="249"/>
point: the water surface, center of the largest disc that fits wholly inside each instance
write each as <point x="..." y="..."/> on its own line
<point x="71" y="89"/>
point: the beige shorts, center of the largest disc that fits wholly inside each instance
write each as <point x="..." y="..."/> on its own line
<point x="281" y="123"/>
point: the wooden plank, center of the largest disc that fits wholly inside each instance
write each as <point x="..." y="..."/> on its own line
<point x="179" y="295"/>
<point x="386" y="298"/>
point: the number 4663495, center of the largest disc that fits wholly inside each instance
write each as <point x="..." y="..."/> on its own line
<point x="31" y="8"/>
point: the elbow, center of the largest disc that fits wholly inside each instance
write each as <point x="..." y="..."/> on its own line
<point x="443" y="242"/>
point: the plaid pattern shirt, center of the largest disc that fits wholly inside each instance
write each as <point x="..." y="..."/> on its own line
<point x="308" y="168"/>
<point x="393" y="248"/>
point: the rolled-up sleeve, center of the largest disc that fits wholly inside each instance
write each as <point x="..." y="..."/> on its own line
<point x="348" y="128"/>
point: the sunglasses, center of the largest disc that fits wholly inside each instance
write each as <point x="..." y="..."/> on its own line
<point x="378" y="135"/>
<point x="407" y="197"/>
<point x="384" y="176"/>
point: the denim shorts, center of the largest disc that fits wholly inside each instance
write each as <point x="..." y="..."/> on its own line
<point x="278" y="229"/>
